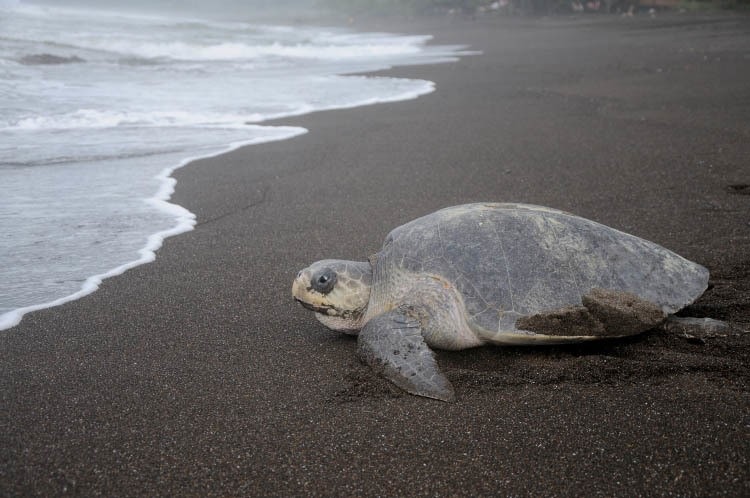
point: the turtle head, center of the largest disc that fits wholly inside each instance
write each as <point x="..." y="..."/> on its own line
<point x="337" y="291"/>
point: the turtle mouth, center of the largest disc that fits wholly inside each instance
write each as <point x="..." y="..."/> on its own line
<point x="318" y="309"/>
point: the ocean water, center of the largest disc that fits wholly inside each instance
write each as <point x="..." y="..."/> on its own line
<point x="98" y="108"/>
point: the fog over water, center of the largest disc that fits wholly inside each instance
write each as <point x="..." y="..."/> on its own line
<point x="247" y="10"/>
<point x="98" y="107"/>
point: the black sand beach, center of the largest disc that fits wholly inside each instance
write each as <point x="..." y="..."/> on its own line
<point x="199" y="375"/>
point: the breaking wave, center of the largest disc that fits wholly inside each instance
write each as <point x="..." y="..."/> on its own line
<point x="97" y="110"/>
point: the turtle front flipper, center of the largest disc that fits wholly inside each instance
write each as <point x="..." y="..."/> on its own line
<point x="392" y="344"/>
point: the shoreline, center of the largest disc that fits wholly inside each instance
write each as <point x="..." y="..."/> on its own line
<point x="199" y="374"/>
<point x="184" y="219"/>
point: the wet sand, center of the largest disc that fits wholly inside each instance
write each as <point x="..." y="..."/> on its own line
<point x="198" y="374"/>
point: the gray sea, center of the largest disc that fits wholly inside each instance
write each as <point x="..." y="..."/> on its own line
<point x="98" y="108"/>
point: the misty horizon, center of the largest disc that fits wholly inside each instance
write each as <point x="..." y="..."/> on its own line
<point x="219" y="9"/>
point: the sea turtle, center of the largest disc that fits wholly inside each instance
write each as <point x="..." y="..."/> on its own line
<point x="491" y="273"/>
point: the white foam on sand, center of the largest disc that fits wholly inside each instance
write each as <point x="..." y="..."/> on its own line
<point x="144" y="92"/>
<point x="185" y="221"/>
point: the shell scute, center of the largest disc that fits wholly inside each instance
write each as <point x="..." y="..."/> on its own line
<point x="512" y="260"/>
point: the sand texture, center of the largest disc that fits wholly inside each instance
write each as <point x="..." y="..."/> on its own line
<point x="199" y="375"/>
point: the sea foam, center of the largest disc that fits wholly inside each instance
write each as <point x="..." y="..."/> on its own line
<point x="184" y="221"/>
<point x="87" y="149"/>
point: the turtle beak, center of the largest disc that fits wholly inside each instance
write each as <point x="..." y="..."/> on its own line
<point x="298" y="287"/>
<point x="312" y="307"/>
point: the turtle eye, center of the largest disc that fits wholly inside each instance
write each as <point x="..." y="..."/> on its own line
<point x="324" y="281"/>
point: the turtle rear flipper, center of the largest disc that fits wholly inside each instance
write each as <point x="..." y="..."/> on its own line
<point x="392" y="344"/>
<point x="605" y="313"/>
<point x="697" y="330"/>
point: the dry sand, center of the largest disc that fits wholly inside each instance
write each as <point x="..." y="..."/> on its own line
<point x="199" y="375"/>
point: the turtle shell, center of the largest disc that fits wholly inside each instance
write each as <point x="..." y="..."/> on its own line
<point x="510" y="261"/>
